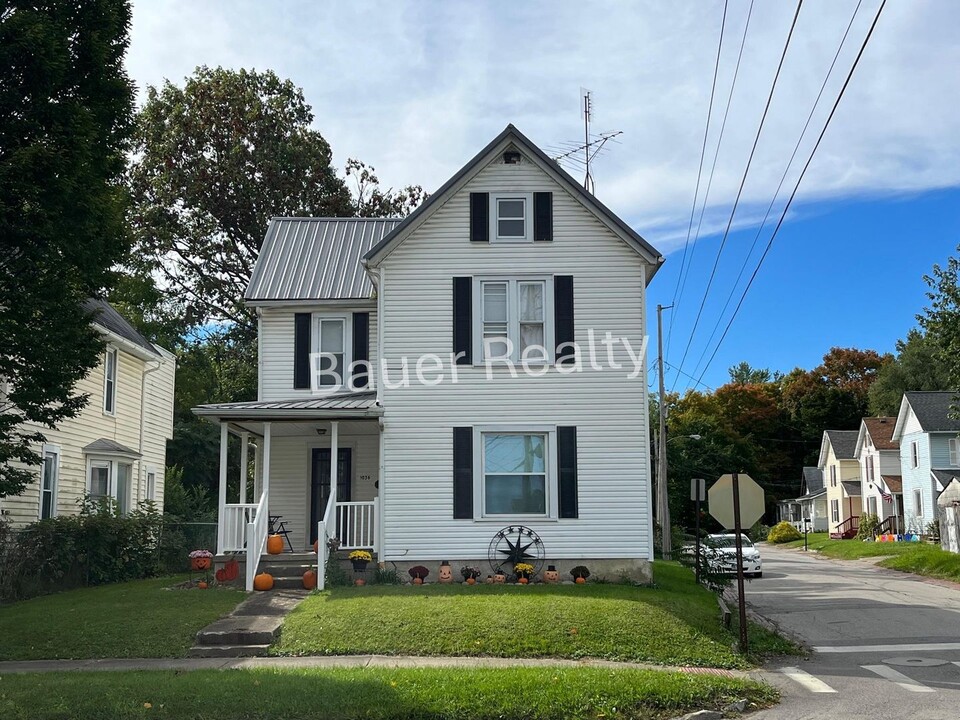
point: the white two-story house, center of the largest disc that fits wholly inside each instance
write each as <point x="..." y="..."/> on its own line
<point x="929" y="441"/>
<point x="490" y="387"/>
<point x="881" y="486"/>
<point x="116" y="446"/>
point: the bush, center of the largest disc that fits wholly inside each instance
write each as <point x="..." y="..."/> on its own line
<point x="868" y="527"/>
<point x="759" y="532"/>
<point x="783" y="532"/>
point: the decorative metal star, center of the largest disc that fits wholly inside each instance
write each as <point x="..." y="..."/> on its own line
<point x="515" y="551"/>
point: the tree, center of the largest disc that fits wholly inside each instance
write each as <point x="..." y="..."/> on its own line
<point x="213" y="162"/>
<point x="371" y="201"/>
<point x="744" y="374"/>
<point x="918" y="366"/>
<point x="941" y="320"/>
<point x="66" y="109"/>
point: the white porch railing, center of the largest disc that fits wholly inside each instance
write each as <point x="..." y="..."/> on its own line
<point x="357" y="525"/>
<point x="256" y="539"/>
<point x="234" y="522"/>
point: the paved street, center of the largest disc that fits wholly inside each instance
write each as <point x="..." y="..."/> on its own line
<point x="884" y="645"/>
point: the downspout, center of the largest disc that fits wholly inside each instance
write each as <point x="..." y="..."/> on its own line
<point x="376" y="277"/>
<point x="143" y="415"/>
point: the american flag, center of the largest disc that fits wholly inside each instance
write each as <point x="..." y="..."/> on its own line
<point x="886" y="497"/>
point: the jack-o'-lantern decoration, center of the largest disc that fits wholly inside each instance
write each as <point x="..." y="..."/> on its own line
<point x="499" y="578"/>
<point x="446" y="573"/>
<point x="550" y="575"/>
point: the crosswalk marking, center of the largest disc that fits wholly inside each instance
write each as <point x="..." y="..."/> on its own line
<point x="807" y="680"/>
<point x="899" y="678"/>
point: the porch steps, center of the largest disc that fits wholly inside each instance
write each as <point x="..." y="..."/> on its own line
<point x="288" y="568"/>
<point x="250" y="629"/>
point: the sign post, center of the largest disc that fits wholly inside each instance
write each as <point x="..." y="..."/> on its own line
<point x="806" y="529"/>
<point x="736" y="500"/>
<point x="698" y="493"/>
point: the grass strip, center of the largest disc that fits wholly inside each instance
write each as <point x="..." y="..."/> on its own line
<point x="372" y="694"/>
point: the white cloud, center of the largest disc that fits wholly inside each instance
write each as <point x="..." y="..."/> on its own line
<point x="417" y="88"/>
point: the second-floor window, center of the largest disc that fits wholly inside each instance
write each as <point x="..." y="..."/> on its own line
<point x="513" y="319"/>
<point x="331" y="334"/>
<point x="833" y="476"/>
<point x="870" y="469"/>
<point x="110" y="382"/>
<point x="914" y="454"/>
<point x="954" y="452"/>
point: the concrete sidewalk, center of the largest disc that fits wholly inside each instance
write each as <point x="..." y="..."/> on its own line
<point x="333" y="661"/>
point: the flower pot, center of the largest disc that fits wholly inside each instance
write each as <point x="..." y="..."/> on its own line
<point x="359" y="582"/>
<point x="202" y="585"/>
<point x="199" y="564"/>
<point x="580" y="580"/>
<point x="275" y="544"/>
<point x="359" y="565"/>
<point x="418" y="581"/>
<point x="522" y="580"/>
<point x="471" y="581"/>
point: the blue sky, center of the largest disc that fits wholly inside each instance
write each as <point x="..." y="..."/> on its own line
<point x="416" y="88"/>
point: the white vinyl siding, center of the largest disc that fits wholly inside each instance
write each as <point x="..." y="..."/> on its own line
<point x="607" y="408"/>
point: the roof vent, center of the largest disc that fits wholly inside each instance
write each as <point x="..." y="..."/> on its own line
<point x="511" y="157"/>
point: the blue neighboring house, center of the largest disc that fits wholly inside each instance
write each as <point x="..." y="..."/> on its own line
<point x="929" y="453"/>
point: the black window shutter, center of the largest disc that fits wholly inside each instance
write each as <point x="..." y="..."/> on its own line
<point x="480" y="217"/>
<point x="361" y="347"/>
<point x="543" y="216"/>
<point x="301" y="350"/>
<point x="463" y="473"/>
<point x="563" y="318"/>
<point x="567" y="462"/>
<point x="463" y="320"/>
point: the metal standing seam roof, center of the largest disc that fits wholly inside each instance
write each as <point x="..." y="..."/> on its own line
<point x="366" y="400"/>
<point x="316" y="259"/>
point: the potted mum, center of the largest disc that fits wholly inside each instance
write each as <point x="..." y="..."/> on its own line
<point x="200" y="560"/>
<point x="580" y="574"/>
<point x="470" y="574"/>
<point x="418" y="573"/>
<point x="524" y="572"/>
<point x="360" y="559"/>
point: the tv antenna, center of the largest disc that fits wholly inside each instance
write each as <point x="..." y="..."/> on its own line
<point x="581" y="155"/>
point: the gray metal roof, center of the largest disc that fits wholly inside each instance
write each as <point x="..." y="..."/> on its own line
<point x="316" y="259"/>
<point x="349" y="403"/>
<point x="109" y="447"/>
<point x="851" y="487"/>
<point x="812" y="479"/>
<point x="945" y="476"/>
<point x="106" y="316"/>
<point x="932" y="410"/>
<point x="844" y="443"/>
<point x="518" y="138"/>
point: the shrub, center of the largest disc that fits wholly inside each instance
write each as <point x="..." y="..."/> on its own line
<point x="868" y="527"/>
<point x="783" y="532"/>
<point x="759" y="532"/>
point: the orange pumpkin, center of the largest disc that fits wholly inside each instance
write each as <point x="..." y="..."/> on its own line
<point x="202" y="585"/>
<point x="263" y="581"/>
<point x="275" y="544"/>
<point x="309" y="580"/>
<point x="315" y="545"/>
<point x="580" y="580"/>
<point x="522" y="580"/>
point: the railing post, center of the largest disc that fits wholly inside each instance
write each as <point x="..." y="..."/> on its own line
<point x="223" y="486"/>
<point x="321" y="555"/>
<point x="251" y="559"/>
<point x="376" y="527"/>
<point x="244" y="460"/>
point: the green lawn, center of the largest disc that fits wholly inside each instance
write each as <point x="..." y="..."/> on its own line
<point x="852" y="549"/>
<point x="928" y="560"/>
<point x="674" y="623"/>
<point x="371" y="693"/>
<point x="134" y="619"/>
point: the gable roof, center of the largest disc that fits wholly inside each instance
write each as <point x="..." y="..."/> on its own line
<point x="812" y="480"/>
<point x="106" y="446"/>
<point x="851" y="487"/>
<point x="316" y="259"/>
<point x="932" y="410"/>
<point x="512" y="136"/>
<point x="893" y="482"/>
<point x="107" y="317"/>
<point x="880" y="430"/>
<point x="944" y="477"/>
<point x="843" y="442"/>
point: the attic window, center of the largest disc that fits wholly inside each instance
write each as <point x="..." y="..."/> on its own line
<point x="511" y="157"/>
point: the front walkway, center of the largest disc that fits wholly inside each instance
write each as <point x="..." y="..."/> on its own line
<point x="335" y="661"/>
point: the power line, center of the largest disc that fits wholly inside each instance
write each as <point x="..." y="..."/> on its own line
<point x="704" y="385"/>
<point x="703" y="152"/>
<point x="713" y="167"/>
<point x="776" y="194"/>
<point x="743" y="182"/>
<point x="796" y="187"/>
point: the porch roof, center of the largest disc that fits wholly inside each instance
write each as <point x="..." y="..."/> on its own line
<point x="336" y="405"/>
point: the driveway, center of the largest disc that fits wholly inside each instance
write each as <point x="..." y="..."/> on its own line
<point x="884" y="644"/>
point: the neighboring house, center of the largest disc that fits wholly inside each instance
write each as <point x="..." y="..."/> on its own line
<point x="841" y="477"/>
<point x="444" y="444"/>
<point x="929" y="453"/>
<point x="116" y="446"/>
<point x="880" y="482"/>
<point x="813" y="500"/>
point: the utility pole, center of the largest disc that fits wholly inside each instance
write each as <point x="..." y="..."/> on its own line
<point x="663" y="505"/>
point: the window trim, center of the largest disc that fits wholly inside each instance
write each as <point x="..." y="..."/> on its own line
<point x="918" y="502"/>
<point x="953" y="449"/>
<point x="148" y="492"/>
<point x="833" y="475"/>
<point x="513" y="317"/>
<point x="110" y="383"/>
<point x="551" y="486"/>
<point x="53" y="450"/>
<point x="100" y="462"/>
<point x="835" y="511"/>
<point x="495" y="199"/>
<point x="914" y="454"/>
<point x="112" y="464"/>
<point x="315" y="327"/>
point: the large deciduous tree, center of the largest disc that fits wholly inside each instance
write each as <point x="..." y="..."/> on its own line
<point x="918" y="366"/>
<point x="65" y="117"/>
<point x="214" y="161"/>
<point x="941" y="320"/>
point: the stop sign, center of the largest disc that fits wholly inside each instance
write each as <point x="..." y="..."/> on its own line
<point x="720" y="498"/>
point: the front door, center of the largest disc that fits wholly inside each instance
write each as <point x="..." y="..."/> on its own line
<point x="320" y="483"/>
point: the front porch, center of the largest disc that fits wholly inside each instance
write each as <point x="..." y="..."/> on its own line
<point x="276" y="464"/>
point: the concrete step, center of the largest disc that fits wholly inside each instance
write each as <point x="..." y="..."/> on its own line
<point x="288" y="583"/>
<point x="241" y="630"/>
<point x="228" y="651"/>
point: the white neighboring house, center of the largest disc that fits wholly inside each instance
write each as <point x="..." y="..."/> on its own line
<point x="511" y="247"/>
<point x="929" y="441"/>
<point x="116" y="446"/>
<point x="881" y="485"/>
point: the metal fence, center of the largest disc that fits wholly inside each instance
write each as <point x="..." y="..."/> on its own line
<point x="178" y="539"/>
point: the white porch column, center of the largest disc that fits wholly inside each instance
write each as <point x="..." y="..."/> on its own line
<point x="244" y="461"/>
<point x="265" y="462"/>
<point x="334" y="452"/>
<point x="224" y="434"/>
